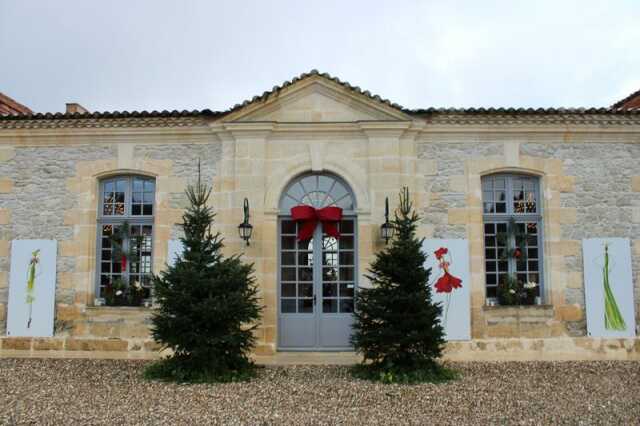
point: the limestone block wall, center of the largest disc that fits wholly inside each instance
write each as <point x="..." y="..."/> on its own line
<point x="50" y="191"/>
<point x="34" y="201"/>
<point x="589" y="186"/>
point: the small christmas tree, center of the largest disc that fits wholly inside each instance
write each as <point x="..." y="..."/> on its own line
<point x="397" y="327"/>
<point x="208" y="305"/>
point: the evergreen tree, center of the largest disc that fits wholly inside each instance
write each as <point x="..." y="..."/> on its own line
<point x="208" y="305"/>
<point x="397" y="327"/>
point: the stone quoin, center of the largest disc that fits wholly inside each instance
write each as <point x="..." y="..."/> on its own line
<point x="562" y="175"/>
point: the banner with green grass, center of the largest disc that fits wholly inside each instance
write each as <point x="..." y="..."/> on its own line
<point x="608" y="287"/>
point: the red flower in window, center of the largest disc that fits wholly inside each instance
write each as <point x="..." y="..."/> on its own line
<point x="441" y="252"/>
<point x="517" y="253"/>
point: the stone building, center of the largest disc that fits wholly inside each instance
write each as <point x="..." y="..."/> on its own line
<point x="75" y="177"/>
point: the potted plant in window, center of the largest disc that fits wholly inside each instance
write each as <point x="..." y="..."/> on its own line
<point x="512" y="291"/>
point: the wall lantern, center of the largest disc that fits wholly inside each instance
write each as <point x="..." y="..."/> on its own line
<point x="386" y="229"/>
<point x="245" y="228"/>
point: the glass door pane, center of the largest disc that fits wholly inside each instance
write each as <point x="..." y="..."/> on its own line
<point x="296" y="271"/>
<point x="338" y="270"/>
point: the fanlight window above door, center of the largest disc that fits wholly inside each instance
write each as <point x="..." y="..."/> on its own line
<point x="318" y="191"/>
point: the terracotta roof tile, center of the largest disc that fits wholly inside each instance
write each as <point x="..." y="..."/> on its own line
<point x="9" y="106"/>
<point x="631" y="102"/>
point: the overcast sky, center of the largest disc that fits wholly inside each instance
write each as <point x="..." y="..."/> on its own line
<point x="135" y="55"/>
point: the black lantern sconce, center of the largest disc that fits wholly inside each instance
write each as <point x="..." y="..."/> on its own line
<point x="386" y="229"/>
<point x="245" y="228"/>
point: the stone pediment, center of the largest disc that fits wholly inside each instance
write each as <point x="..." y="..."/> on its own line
<point x="316" y="100"/>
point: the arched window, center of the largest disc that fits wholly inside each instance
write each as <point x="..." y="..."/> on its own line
<point x="512" y="235"/>
<point x="317" y="277"/>
<point x="318" y="190"/>
<point x="125" y="239"/>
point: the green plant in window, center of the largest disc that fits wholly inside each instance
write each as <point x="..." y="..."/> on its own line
<point x="119" y="293"/>
<point x="512" y="291"/>
<point x="118" y="237"/>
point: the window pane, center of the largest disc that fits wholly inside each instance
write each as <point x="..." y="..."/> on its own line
<point x="288" y="274"/>
<point x="305" y="290"/>
<point x="288" y="258"/>
<point x="147" y="210"/>
<point x="121" y="185"/>
<point x="346" y="243"/>
<point x="288" y="243"/>
<point x="288" y="290"/>
<point x="305" y="306"/>
<point x="288" y="227"/>
<point x="346" y="274"/>
<point x="346" y="258"/>
<point x="288" y="306"/>
<point x="492" y="292"/>
<point x="305" y="259"/>
<point x="346" y="290"/>
<point x="329" y="306"/>
<point x="346" y="227"/>
<point x="346" y="306"/>
<point x="305" y="274"/>
<point x="329" y="290"/>
<point x="329" y="274"/>
<point x="330" y="259"/>
<point x="489" y="228"/>
<point x="490" y="241"/>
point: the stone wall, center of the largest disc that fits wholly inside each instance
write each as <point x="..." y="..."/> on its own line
<point x="589" y="188"/>
<point x="603" y="168"/>
<point x="36" y="197"/>
<point x="48" y="189"/>
<point x="50" y="192"/>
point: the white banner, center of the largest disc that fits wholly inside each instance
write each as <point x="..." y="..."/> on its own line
<point x="608" y="287"/>
<point x="174" y="250"/>
<point x="32" y="288"/>
<point x="450" y="284"/>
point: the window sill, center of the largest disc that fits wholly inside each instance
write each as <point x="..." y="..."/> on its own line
<point x="119" y="311"/>
<point x="503" y="307"/>
<point x="517" y="311"/>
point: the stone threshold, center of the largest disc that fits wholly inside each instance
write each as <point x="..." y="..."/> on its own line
<point x="516" y="349"/>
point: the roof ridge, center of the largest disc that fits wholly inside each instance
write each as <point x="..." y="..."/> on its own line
<point x="314" y="73"/>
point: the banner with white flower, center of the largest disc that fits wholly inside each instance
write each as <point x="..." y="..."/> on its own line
<point x="32" y="288"/>
<point x="608" y="287"/>
<point x="450" y="284"/>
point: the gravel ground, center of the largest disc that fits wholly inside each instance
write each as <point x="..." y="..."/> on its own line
<point x="73" y="391"/>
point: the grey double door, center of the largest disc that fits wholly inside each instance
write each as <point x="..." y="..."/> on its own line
<point x="317" y="283"/>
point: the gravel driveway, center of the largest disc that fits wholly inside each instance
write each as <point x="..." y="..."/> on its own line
<point x="74" y="391"/>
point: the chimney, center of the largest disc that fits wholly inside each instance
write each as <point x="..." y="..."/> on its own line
<point x="73" y="108"/>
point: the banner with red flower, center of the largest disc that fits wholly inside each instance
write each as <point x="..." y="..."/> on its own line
<point x="450" y="284"/>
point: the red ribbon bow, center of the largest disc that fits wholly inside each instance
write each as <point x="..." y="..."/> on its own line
<point x="308" y="218"/>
